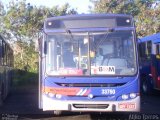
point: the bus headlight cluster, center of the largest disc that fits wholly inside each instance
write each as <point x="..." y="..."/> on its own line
<point x="127" y="96"/>
<point x="58" y="96"/>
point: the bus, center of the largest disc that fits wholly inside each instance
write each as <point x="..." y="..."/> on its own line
<point x="89" y="62"/>
<point x="149" y="56"/>
<point x="6" y="69"/>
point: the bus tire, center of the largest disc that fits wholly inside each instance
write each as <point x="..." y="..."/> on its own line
<point x="147" y="87"/>
<point x="57" y="112"/>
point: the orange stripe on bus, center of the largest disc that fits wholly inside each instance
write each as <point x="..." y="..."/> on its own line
<point x="62" y="91"/>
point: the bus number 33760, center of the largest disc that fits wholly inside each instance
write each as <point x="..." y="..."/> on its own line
<point x="108" y="91"/>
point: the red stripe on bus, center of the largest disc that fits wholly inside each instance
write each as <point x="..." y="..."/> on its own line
<point x="87" y="92"/>
<point x="153" y="72"/>
<point x="158" y="81"/>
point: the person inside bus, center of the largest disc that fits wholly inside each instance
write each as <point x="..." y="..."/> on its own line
<point x="99" y="57"/>
<point x="68" y="56"/>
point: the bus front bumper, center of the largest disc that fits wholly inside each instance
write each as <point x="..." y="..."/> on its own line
<point x="97" y="106"/>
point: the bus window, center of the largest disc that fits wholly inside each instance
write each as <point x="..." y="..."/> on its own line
<point x="142" y="50"/>
<point x="145" y="50"/>
<point x="148" y="49"/>
<point x="158" y="51"/>
<point x="68" y="55"/>
<point x="0" y="51"/>
<point x="3" y="53"/>
<point x="64" y="55"/>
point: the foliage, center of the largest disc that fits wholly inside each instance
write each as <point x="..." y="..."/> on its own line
<point x="23" y="78"/>
<point x="148" y="21"/>
<point x="24" y="20"/>
<point x="145" y="12"/>
<point x="21" y="25"/>
<point x="27" y="57"/>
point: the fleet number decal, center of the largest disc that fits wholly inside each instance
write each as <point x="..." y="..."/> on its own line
<point x="108" y="91"/>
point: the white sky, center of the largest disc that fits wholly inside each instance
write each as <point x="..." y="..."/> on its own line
<point x="80" y="5"/>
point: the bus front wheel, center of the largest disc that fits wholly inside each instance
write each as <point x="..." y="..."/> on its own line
<point x="147" y="86"/>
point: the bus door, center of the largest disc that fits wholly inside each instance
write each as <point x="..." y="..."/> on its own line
<point x="156" y="66"/>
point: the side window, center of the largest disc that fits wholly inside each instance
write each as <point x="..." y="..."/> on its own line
<point x="0" y="51"/>
<point x="157" y="49"/>
<point x="3" y="53"/>
<point x="142" y="50"/>
<point x="145" y="50"/>
<point x="11" y="58"/>
<point x="148" y="49"/>
<point x="7" y="55"/>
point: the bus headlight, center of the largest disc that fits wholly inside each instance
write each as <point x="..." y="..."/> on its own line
<point x="58" y="96"/>
<point x="90" y="96"/>
<point x="132" y="95"/>
<point x="125" y="97"/>
<point x="51" y="94"/>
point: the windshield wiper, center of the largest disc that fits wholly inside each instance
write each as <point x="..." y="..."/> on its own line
<point x="70" y="34"/>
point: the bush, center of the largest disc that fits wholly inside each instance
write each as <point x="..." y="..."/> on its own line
<point x="22" y="77"/>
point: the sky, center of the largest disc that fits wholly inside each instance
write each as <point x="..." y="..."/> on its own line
<point x="80" y="5"/>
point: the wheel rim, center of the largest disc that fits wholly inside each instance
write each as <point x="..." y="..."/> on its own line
<point x="144" y="86"/>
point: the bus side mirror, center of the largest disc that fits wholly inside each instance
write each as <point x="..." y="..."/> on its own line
<point x="45" y="47"/>
<point x="38" y="43"/>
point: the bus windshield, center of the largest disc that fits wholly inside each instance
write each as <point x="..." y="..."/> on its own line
<point x="91" y="53"/>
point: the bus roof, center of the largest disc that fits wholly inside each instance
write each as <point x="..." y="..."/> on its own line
<point x="77" y="16"/>
<point x="155" y="38"/>
<point x="79" y="21"/>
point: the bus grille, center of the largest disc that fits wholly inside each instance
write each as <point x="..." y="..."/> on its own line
<point x="91" y="106"/>
<point x="90" y="84"/>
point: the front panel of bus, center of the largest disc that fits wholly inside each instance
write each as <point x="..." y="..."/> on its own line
<point x="90" y="70"/>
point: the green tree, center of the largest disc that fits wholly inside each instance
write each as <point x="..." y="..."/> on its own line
<point x="121" y="6"/>
<point x="145" y="12"/>
<point x="2" y="12"/>
<point x="21" y="24"/>
<point x="148" y="21"/>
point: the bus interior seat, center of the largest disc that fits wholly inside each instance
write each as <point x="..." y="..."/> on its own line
<point x="99" y="57"/>
<point x="68" y="60"/>
<point x="119" y="63"/>
<point x="105" y="62"/>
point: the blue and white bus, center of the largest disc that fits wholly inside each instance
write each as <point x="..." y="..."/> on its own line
<point x="149" y="55"/>
<point x="89" y="63"/>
